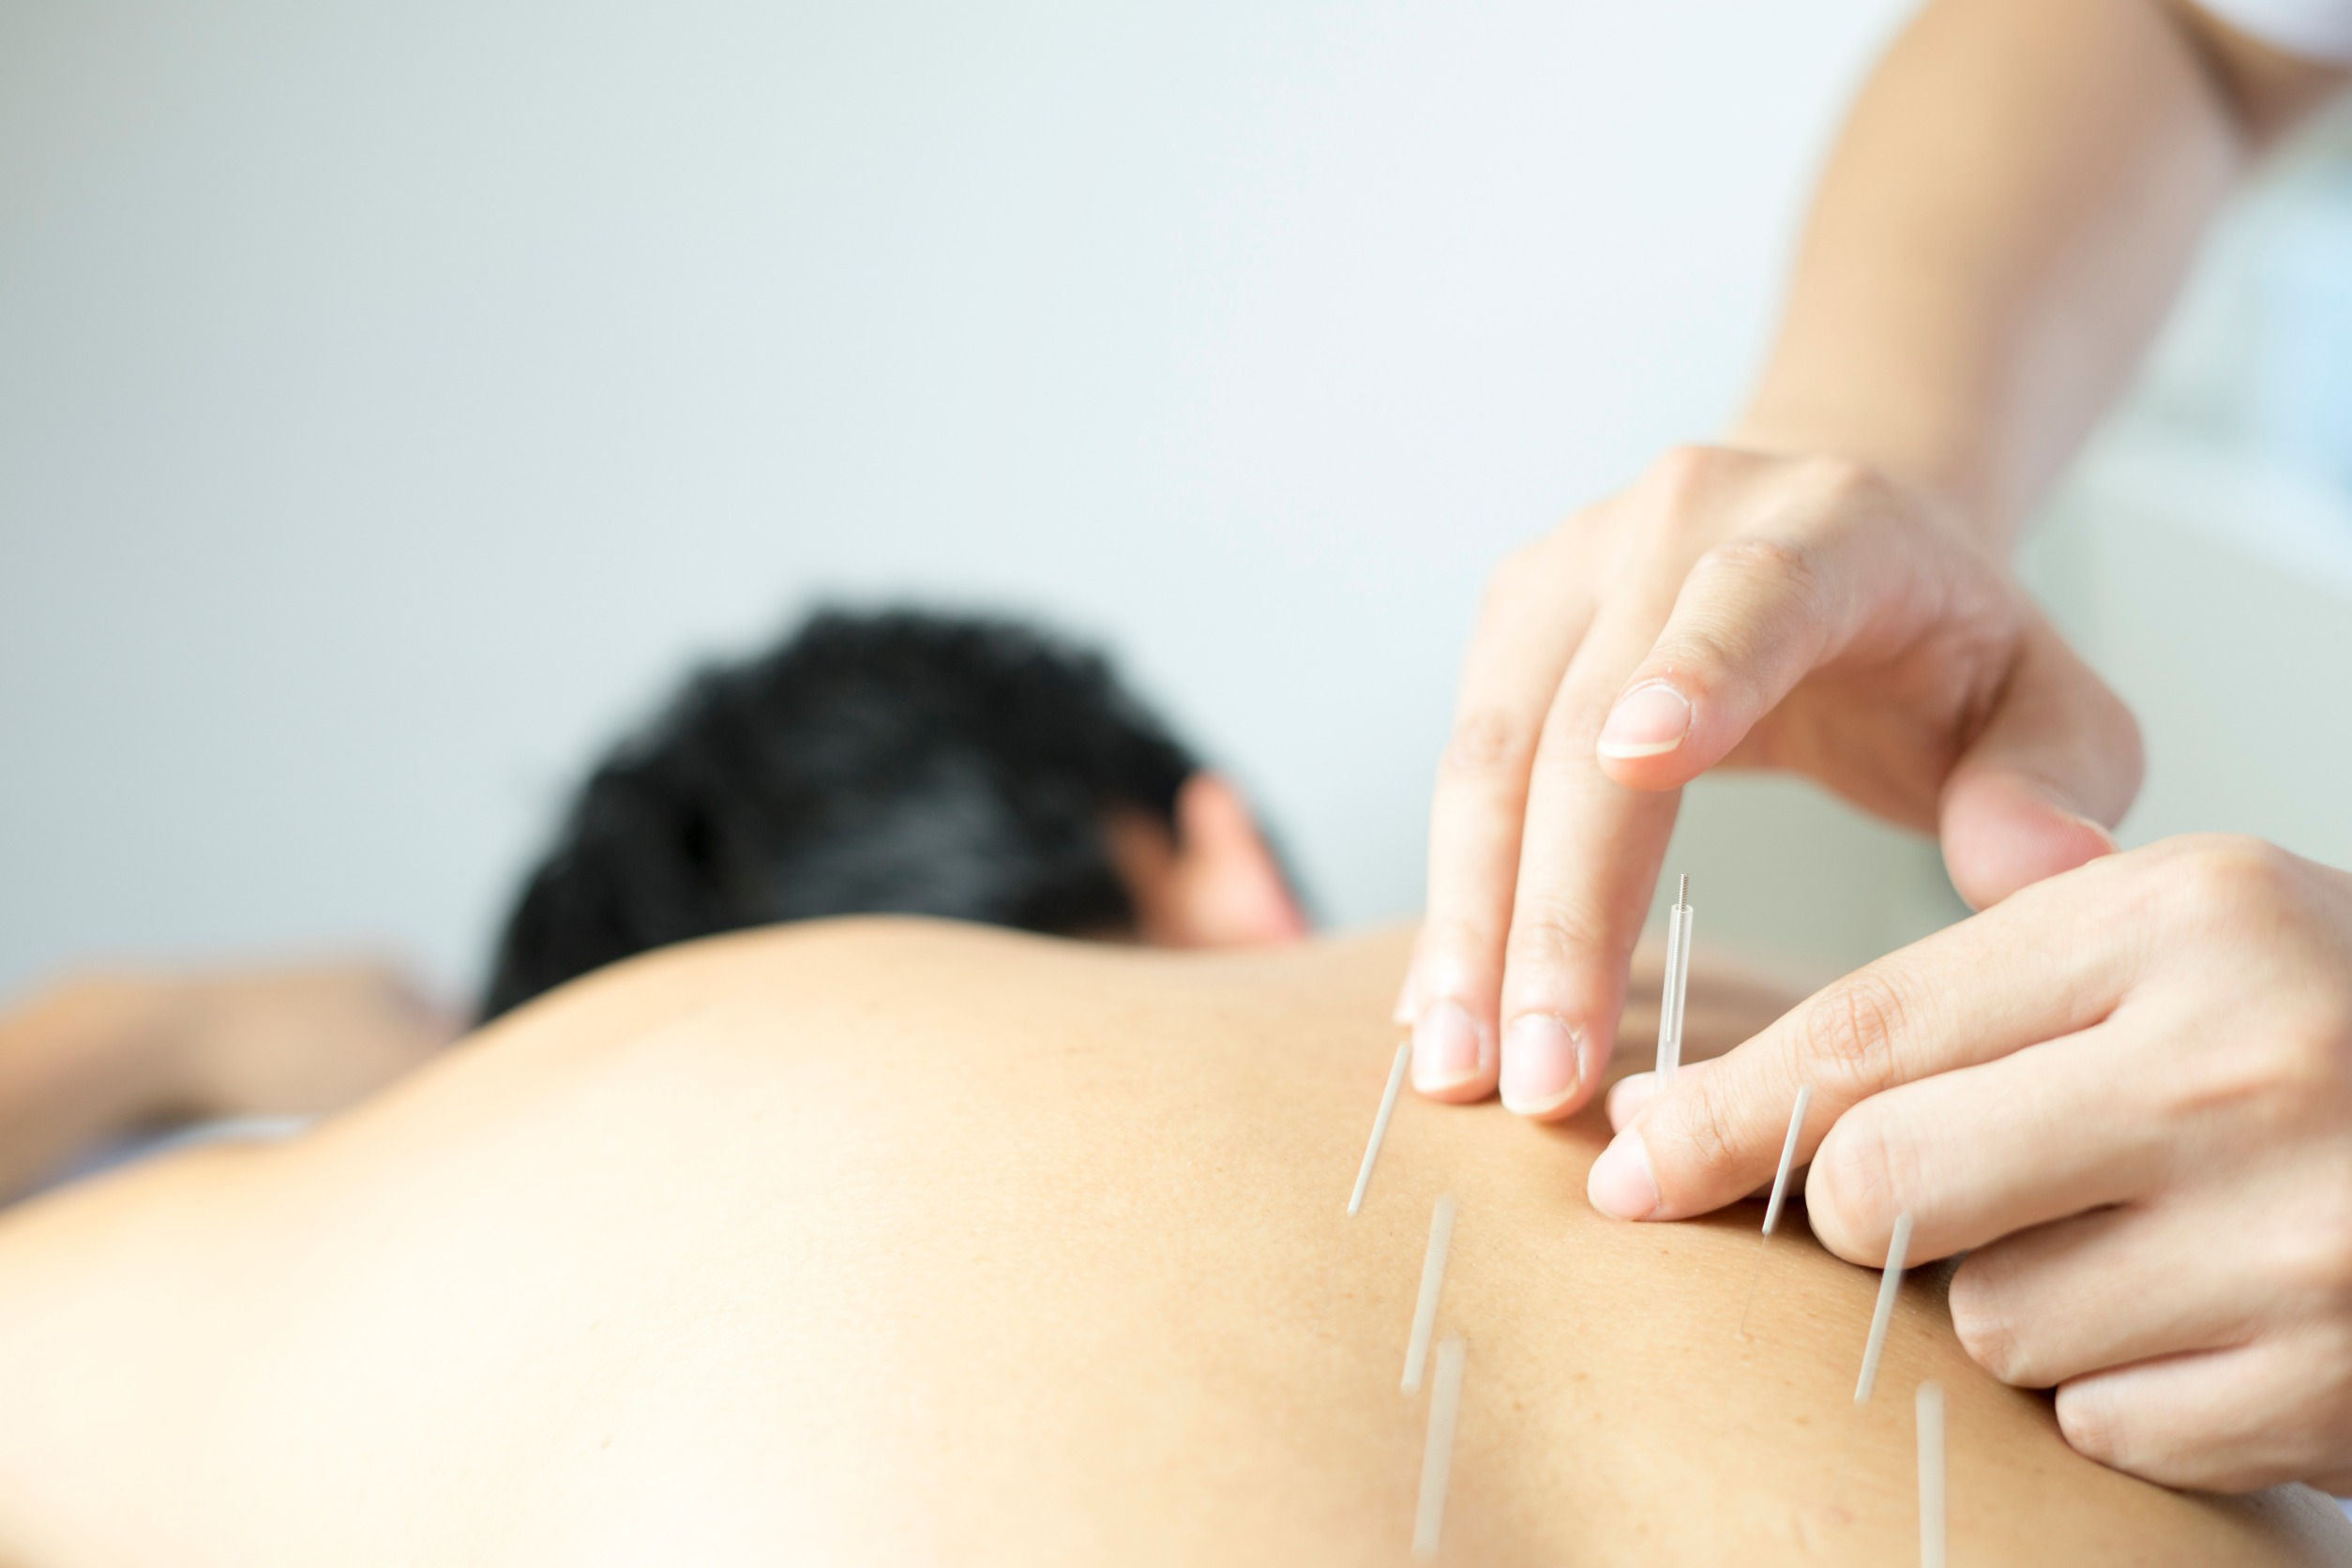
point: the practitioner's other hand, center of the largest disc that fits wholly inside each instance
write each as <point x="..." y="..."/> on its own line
<point x="2129" y="1090"/>
<point x="1730" y="608"/>
<point x="299" y="1041"/>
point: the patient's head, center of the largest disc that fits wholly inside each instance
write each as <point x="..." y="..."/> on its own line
<point x="898" y="763"/>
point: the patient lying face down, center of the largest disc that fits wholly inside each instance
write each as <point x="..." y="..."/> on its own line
<point x="891" y="1242"/>
<point x="898" y="763"/>
<point x="891" y="761"/>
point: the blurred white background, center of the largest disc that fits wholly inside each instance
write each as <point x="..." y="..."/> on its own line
<point x="394" y="399"/>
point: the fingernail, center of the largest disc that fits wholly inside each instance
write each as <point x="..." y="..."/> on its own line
<point x="1446" y="1048"/>
<point x="1632" y="1091"/>
<point x="1541" y="1066"/>
<point x="1622" y="1185"/>
<point x="1403" y="1012"/>
<point x="1649" y="720"/>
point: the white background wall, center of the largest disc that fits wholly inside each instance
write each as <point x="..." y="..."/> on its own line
<point x="392" y="399"/>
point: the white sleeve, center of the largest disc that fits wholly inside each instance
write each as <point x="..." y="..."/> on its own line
<point x="2316" y="29"/>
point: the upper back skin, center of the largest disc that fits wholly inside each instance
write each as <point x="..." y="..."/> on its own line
<point x="894" y="1242"/>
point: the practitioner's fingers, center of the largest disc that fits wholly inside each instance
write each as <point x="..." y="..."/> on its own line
<point x="1756" y="614"/>
<point x="2054" y="769"/>
<point x="1588" y="863"/>
<point x="2221" y="1421"/>
<point x="1628" y="1095"/>
<point x="2099" y="1291"/>
<point x="1984" y="1152"/>
<point x="2039" y="966"/>
<point x="1535" y="613"/>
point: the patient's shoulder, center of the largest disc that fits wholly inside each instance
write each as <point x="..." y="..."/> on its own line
<point x="873" y="972"/>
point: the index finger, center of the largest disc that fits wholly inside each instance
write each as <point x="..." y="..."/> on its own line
<point x="1534" y="616"/>
<point x="2030" y="969"/>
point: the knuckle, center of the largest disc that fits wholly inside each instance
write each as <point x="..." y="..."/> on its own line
<point x="1775" y="578"/>
<point x="1683" y="469"/>
<point x="1782" y="563"/>
<point x="1710" y="1123"/>
<point x="1456" y="944"/>
<point x="2089" y="1417"/>
<point x="1487" y="742"/>
<point x="1852" y="1030"/>
<point x="1988" y="1330"/>
<point x="2228" y="875"/>
<point x="1841" y="484"/>
<point x="1547" y="939"/>
<point x="1676" y="489"/>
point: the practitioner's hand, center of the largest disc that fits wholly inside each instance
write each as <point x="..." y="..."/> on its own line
<point x="1804" y="614"/>
<point x="2129" y="1089"/>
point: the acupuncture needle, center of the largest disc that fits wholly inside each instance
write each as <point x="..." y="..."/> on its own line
<point x="1432" y="1283"/>
<point x="1780" y="1191"/>
<point x="1889" y="1284"/>
<point x="1380" y="1123"/>
<point x="1930" y="1404"/>
<point x="1678" y="978"/>
<point x="1436" y="1459"/>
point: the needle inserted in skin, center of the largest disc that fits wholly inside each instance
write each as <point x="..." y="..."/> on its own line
<point x="1780" y="1191"/>
<point x="1787" y="1157"/>
<point x="1889" y="1282"/>
<point x="1677" y="980"/>
<point x="1380" y="1123"/>
<point x="1436" y="1459"/>
<point x="1432" y="1282"/>
<point x="1931" y="1475"/>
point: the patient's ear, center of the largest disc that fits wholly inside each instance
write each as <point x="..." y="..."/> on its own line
<point x="1218" y="885"/>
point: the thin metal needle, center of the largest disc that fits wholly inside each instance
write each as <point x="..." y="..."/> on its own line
<point x="1780" y="1190"/>
<point x="1931" y="1475"/>
<point x="1436" y="1459"/>
<point x="1380" y="1123"/>
<point x="1432" y="1282"/>
<point x="1678" y="978"/>
<point x="1889" y="1282"/>
<point x="1788" y="1156"/>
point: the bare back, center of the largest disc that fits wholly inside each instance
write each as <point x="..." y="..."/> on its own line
<point x="892" y="1242"/>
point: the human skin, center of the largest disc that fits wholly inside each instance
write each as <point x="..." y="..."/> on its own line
<point x="118" y="1051"/>
<point x="882" y="1242"/>
<point x="2123" y="1093"/>
<point x="2002" y="225"/>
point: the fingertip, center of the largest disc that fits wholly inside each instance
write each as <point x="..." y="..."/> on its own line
<point x="1651" y="719"/>
<point x="2002" y="832"/>
<point x="1454" y="1053"/>
<point x="1543" y="1066"/>
<point x="1628" y="1095"/>
<point x="1621" y="1184"/>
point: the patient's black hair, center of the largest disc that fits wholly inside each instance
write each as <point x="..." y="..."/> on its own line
<point x="897" y="761"/>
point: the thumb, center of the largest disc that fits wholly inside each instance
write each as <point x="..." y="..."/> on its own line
<point x="2055" y="768"/>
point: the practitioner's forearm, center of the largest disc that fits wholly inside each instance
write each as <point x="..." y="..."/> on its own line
<point x="2007" y="214"/>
